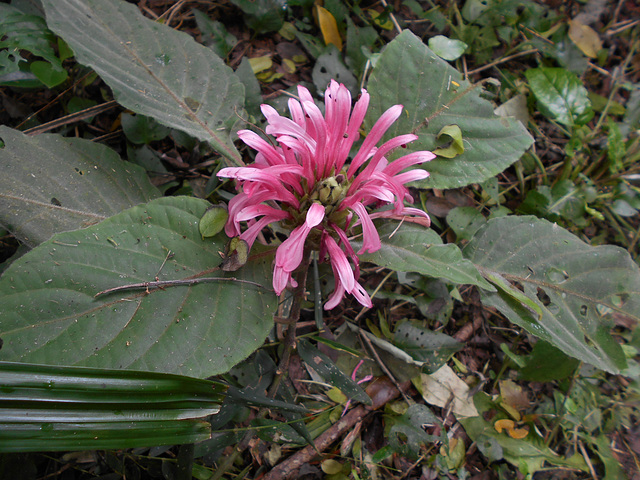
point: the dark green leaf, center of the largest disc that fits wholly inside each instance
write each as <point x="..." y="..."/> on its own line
<point x="408" y="438"/>
<point x="465" y="222"/>
<point x="430" y="88"/>
<point x="424" y="345"/>
<point x="20" y="31"/>
<point x="141" y="129"/>
<point x="82" y="435"/>
<point x="62" y="408"/>
<point x="153" y="69"/>
<point x="412" y="248"/>
<point x="263" y="16"/>
<point x="547" y="363"/>
<point x="51" y="184"/>
<point x="49" y="74"/>
<point x="328" y="370"/>
<point x="50" y="315"/>
<point x="214" y="34"/>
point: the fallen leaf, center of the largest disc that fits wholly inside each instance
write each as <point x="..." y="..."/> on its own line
<point x="444" y="386"/>
<point x="328" y="27"/>
<point x="585" y="38"/>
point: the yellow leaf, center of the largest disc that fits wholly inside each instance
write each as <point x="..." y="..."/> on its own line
<point x="518" y="433"/>
<point x="260" y="64"/>
<point x="585" y="38"/>
<point x="504" y="424"/>
<point x="328" y="27"/>
<point x="331" y="467"/>
<point x="288" y="65"/>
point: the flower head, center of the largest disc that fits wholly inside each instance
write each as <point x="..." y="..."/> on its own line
<point x="308" y="184"/>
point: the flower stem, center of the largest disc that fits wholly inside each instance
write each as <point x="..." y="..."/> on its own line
<point x="289" y="345"/>
<point x="294" y="315"/>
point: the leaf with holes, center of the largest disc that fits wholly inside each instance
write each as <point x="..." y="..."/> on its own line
<point x="434" y="349"/>
<point x="433" y="92"/>
<point x="50" y="315"/>
<point x="152" y="68"/>
<point x="573" y="290"/>
<point x="52" y="184"/>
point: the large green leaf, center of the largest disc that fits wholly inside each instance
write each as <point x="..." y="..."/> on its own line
<point x="557" y="287"/>
<point x="410" y="74"/>
<point x="50" y="184"/>
<point x="61" y="408"/>
<point x="50" y="315"/>
<point x="413" y="248"/>
<point x="153" y="69"/>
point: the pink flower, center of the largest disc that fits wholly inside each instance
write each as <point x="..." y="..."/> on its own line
<point x="308" y="184"/>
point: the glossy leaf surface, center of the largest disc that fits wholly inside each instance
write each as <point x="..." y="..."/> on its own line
<point x="59" y="408"/>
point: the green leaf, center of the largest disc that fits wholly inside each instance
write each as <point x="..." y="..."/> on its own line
<point x="412" y="248"/>
<point x="153" y="69"/>
<point x="454" y="145"/>
<point x="52" y="184"/>
<point x="264" y="16"/>
<point x="50" y="314"/>
<point x="141" y="129"/>
<point x="560" y="95"/>
<point x="447" y="48"/>
<point x="49" y="74"/>
<point x="21" y="31"/>
<point x="431" y="89"/>
<point x="576" y="288"/>
<point x="328" y="370"/>
<point x="409" y="426"/>
<point x="213" y="221"/>
<point x="61" y="408"/>
<point x="465" y="221"/>
<point x="528" y="454"/>
<point x="547" y="363"/>
<point x="434" y="349"/>
<point x="214" y="34"/>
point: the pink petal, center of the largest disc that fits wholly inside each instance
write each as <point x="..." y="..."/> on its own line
<point x="336" y="297"/>
<point x="376" y="133"/>
<point x="370" y="238"/>
<point x="280" y="279"/>
<point x="361" y="295"/>
<point x="289" y="253"/>
<point x="339" y="263"/>
<point x="413" y="158"/>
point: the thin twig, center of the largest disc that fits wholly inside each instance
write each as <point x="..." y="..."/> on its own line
<point x="175" y="283"/>
<point x="502" y="60"/>
<point x="384" y="368"/>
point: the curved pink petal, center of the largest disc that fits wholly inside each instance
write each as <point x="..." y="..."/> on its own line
<point x="289" y="253"/>
<point x="280" y="279"/>
<point x="336" y="296"/>
<point x="370" y="238"/>
<point x="376" y="133"/>
<point x="339" y="263"/>
<point x="361" y="295"/>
